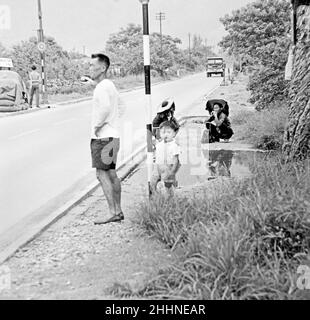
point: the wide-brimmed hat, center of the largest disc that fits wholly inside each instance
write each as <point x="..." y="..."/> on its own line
<point x="222" y="103"/>
<point x="165" y="105"/>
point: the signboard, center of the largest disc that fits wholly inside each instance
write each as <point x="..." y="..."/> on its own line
<point x="41" y="46"/>
<point x="6" y="63"/>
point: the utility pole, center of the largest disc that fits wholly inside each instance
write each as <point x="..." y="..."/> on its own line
<point x="42" y="54"/>
<point x="161" y="16"/>
<point x="206" y="44"/>
<point x="148" y="96"/>
<point x="189" y="48"/>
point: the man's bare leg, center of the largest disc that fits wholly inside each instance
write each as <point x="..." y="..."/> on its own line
<point x="108" y="189"/>
<point x="117" y="191"/>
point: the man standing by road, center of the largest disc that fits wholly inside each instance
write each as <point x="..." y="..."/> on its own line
<point x="105" y="136"/>
<point x="35" y="81"/>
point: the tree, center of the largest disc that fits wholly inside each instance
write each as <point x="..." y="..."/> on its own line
<point x="200" y="52"/>
<point x="297" y="136"/>
<point x="61" y="70"/>
<point x="255" y="27"/>
<point x="171" y="53"/>
<point x="24" y="55"/>
<point x="75" y="55"/>
<point x="126" y="48"/>
<point x="258" y="34"/>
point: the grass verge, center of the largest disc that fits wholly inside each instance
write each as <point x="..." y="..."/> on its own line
<point x="243" y="241"/>
<point x="264" y="129"/>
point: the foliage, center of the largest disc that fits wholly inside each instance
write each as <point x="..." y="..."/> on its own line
<point x="241" y="240"/>
<point x="267" y="86"/>
<point x="253" y="28"/>
<point x="200" y="52"/>
<point x="259" y="33"/>
<point x="169" y="56"/>
<point x="75" y="55"/>
<point x="24" y="55"/>
<point x="126" y="49"/>
<point x="62" y="71"/>
<point x="263" y="129"/>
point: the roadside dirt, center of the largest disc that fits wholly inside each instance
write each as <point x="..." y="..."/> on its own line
<point x="74" y="259"/>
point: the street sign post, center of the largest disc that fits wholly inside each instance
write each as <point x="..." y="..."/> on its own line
<point x="147" y="73"/>
<point x="41" y="47"/>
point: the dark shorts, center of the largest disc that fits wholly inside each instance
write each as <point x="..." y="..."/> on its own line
<point x="104" y="153"/>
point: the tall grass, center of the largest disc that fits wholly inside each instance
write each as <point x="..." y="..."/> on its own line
<point x="241" y="240"/>
<point x="264" y="129"/>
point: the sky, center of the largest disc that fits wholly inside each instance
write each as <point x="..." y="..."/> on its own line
<point x="76" y="24"/>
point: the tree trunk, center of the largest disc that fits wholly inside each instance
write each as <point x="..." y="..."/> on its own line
<point x="297" y="136"/>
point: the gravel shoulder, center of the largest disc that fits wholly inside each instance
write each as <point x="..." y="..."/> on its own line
<point x="74" y="259"/>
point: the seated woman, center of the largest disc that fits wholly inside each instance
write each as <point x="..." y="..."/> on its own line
<point x="219" y="125"/>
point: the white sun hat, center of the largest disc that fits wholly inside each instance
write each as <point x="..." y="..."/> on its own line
<point x="165" y="105"/>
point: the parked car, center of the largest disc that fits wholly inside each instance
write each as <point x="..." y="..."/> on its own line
<point x="13" y="92"/>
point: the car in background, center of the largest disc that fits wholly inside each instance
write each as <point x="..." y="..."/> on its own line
<point x="215" y="65"/>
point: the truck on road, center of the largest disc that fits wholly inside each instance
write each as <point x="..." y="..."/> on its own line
<point x="215" y="65"/>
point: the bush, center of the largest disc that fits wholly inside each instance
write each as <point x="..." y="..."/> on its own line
<point x="246" y="242"/>
<point x="264" y="129"/>
<point x="267" y="87"/>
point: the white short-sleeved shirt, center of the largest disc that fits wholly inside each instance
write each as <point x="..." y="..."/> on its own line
<point x="107" y="108"/>
<point x="165" y="152"/>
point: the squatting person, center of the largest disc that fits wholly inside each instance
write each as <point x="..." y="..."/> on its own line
<point x="219" y="125"/>
<point x="105" y="136"/>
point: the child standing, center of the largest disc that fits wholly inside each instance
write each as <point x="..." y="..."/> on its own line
<point x="167" y="161"/>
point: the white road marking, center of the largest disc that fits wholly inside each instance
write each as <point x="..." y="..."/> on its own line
<point x="64" y="121"/>
<point x="23" y="134"/>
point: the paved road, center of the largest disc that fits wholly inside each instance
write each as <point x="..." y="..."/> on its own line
<point x="44" y="154"/>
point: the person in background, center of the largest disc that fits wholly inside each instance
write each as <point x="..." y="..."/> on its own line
<point x="165" y="113"/>
<point x="35" y="80"/>
<point x="219" y="125"/>
<point x="167" y="159"/>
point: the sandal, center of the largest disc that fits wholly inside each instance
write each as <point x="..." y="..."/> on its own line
<point x="117" y="218"/>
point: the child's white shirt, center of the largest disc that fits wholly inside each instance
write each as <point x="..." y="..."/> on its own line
<point x="166" y="151"/>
